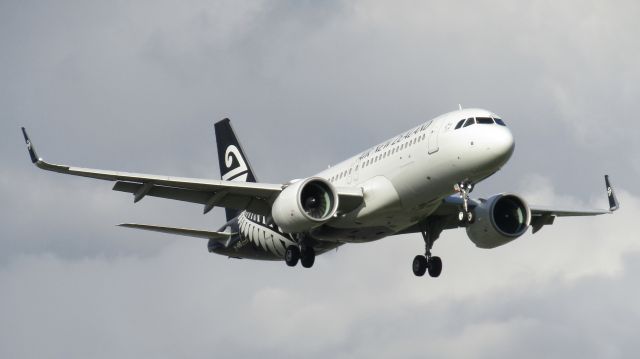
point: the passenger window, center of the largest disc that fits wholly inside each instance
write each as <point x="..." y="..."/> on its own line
<point x="500" y="122"/>
<point x="459" y="124"/>
<point x="484" y="120"/>
<point x="470" y="121"/>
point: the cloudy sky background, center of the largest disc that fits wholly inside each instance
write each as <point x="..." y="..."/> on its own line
<point x="137" y="85"/>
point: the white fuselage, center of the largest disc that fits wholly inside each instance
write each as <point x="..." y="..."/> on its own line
<point x="403" y="179"/>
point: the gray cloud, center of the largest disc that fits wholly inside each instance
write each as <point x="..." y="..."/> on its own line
<point x="136" y="86"/>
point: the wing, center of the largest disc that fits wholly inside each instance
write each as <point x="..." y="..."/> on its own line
<point x="541" y="216"/>
<point x="217" y="236"/>
<point x="254" y="197"/>
<point x="446" y="215"/>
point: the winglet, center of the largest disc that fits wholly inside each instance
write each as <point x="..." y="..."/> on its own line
<point x="32" y="150"/>
<point x="613" y="201"/>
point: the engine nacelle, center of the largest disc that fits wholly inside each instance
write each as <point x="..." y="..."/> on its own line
<point x="304" y="205"/>
<point x="499" y="220"/>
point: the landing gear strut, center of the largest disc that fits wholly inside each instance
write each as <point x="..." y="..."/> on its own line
<point x="464" y="188"/>
<point x="427" y="262"/>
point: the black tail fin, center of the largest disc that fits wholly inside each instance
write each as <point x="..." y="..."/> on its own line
<point x="234" y="165"/>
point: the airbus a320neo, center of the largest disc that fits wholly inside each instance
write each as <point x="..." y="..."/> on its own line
<point x="416" y="182"/>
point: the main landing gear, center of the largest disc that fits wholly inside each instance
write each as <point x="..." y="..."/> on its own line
<point x="305" y="254"/>
<point x="427" y="262"/>
<point x="464" y="188"/>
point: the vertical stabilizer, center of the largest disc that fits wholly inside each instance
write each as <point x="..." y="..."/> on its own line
<point x="234" y="165"/>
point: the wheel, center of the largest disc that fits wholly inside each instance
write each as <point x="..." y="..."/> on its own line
<point x="291" y="256"/>
<point x="470" y="217"/>
<point x="461" y="216"/>
<point x="419" y="265"/>
<point x="435" y="266"/>
<point x="308" y="257"/>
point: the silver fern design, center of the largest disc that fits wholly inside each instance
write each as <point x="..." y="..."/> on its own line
<point x="261" y="235"/>
<point x="239" y="173"/>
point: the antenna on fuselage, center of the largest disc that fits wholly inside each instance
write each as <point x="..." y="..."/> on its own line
<point x="460" y="107"/>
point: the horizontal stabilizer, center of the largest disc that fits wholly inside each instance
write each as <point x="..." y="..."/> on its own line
<point x="216" y="236"/>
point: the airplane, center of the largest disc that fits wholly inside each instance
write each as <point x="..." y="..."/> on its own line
<point x="416" y="182"/>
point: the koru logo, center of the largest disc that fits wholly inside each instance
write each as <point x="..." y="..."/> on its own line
<point x="239" y="173"/>
<point x="28" y="145"/>
<point x="609" y="191"/>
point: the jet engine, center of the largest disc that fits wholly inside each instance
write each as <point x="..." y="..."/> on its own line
<point x="499" y="220"/>
<point x="304" y="205"/>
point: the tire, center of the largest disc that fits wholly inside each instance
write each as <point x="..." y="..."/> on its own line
<point x="291" y="256"/>
<point x="419" y="265"/>
<point x="470" y="217"/>
<point x="435" y="266"/>
<point x="308" y="257"/>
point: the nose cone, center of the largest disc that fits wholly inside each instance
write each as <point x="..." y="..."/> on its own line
<point x="493" y="146"/>
<point x="502" y="144"/>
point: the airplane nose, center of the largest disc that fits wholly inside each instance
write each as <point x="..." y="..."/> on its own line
<point x="503" y="144"/>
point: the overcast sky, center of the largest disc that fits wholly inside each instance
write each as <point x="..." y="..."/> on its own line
<point x="137" y="85"/>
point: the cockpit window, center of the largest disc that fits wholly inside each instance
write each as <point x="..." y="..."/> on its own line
<point x="484" y="120"/>
<point x="470" y="121"/>
<point x="500" y="122"/>
<point x="459" y="124"/>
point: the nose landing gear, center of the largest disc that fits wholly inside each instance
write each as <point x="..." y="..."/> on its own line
<point x="464" y="188"/>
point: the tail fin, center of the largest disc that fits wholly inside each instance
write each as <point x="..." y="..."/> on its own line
<point x="234" y="165"/>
